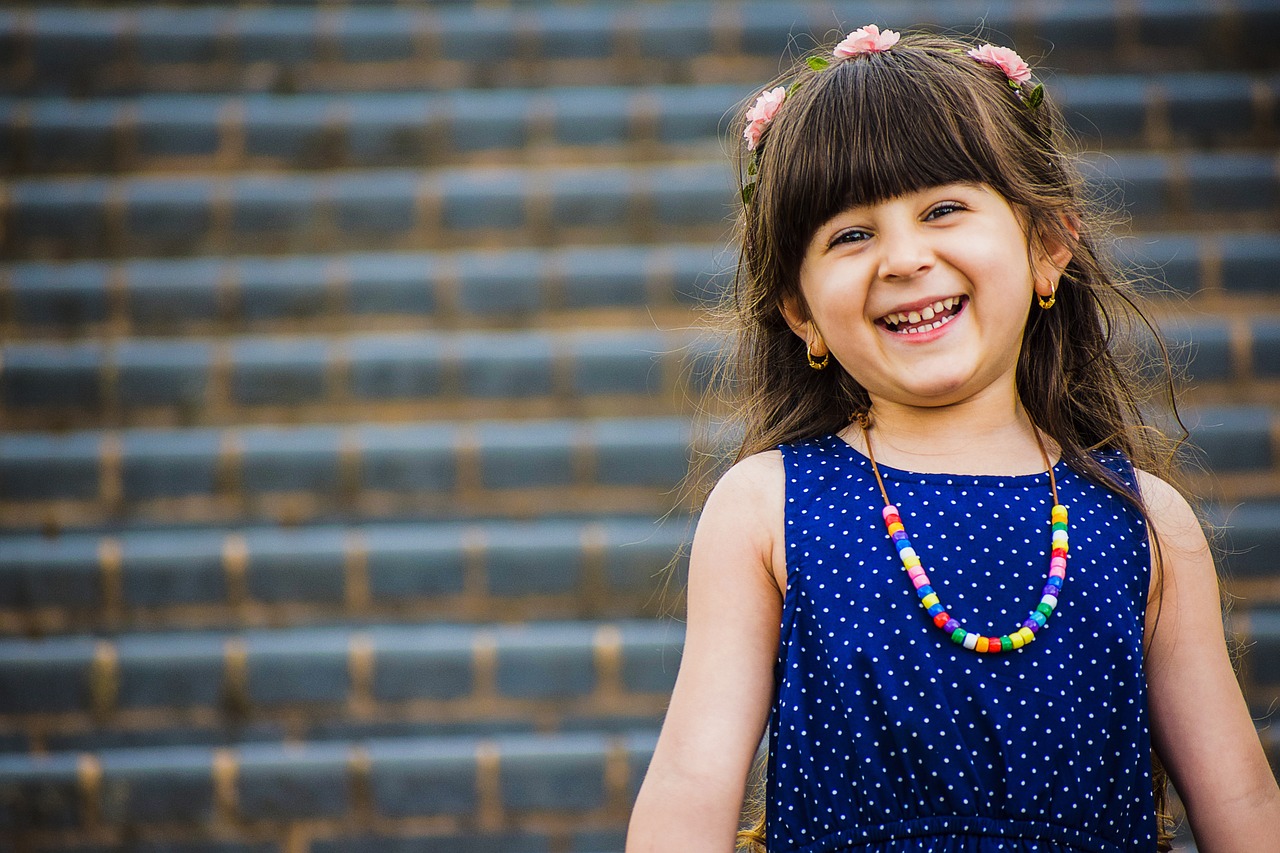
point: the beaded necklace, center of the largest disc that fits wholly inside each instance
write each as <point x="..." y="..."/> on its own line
<point x="929" y="599"/>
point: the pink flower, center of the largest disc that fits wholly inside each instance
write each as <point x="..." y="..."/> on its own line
<point x="1005" y="59"/>
<point x="867" y="39"/>
<point x="765" y="108"/>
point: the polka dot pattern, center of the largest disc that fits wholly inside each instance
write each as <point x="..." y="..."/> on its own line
<point x="885" y="736"/>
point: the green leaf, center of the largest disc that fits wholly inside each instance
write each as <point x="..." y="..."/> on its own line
<point x="818" y="63"/>
<point x="748" y="193"/>
<point x="791" y="90"/>
<point x="1035" y="96"/>
<point x="753" y="165"/>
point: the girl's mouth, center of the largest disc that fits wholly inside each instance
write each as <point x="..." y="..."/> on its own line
<point x="925" y="319"/>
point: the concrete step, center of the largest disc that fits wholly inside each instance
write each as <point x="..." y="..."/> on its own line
<point x="415" y="572"/>
<point x="382" y="377"/>
<point x="330" y="683"/>
<point x="408" y="573"/>
<point x="289" y="475"/>
<point x="517" y="793"/>
<point x="631" y="286"/>
<point x="428" y="375"/>
<point x="68" y="218"/>
<point x="222" y="133"/>
<point x="369" y="210"/>
<point x="332" y="293"/>
<point x="152" y="48"/>
<point x="494" y="469"/>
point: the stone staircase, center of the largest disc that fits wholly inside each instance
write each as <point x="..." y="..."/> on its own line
<point x="348" y="375"/>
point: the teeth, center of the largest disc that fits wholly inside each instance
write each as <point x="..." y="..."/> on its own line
<point x="928" y="327"/>
<point x="925" y="314"/>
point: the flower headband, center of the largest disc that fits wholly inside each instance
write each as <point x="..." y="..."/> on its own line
<point x="867" y="40"/>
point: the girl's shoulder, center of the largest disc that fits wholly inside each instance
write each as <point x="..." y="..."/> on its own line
<point x="751" y="493"/>
<point x="752" y="478"/>
<point x="742" y="519"/>
<point x="1166" y="504"/>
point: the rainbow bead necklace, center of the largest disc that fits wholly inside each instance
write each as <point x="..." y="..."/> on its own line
<point x="929" y="599"/>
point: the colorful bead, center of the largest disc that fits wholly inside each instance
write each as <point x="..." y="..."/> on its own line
<point x="929" y="600"/>
<point x="1006" y="643"/>
<point x="971" y="642"/>
<point x="982" y="644"/>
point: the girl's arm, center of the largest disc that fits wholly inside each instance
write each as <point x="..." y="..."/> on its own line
<point x="1200" y="723"/>
<point x="692" y="795"/>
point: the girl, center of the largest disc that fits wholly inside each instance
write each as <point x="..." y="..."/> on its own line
<point x="932" y="390"/>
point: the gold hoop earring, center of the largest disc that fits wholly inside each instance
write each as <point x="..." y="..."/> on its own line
<point x="1048" y="303"/>
<point x="817" y="363"/>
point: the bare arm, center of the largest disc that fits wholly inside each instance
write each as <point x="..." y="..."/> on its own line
<point x="1200" y="723"/>
<point x="692" y="794"/>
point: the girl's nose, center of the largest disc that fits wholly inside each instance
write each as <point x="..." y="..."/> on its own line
<point x="904" y="254"/>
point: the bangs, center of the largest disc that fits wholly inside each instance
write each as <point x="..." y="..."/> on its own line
<point x="875" y="129"/>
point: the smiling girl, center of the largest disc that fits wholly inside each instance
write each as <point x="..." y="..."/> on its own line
<point x="946" y="572"/>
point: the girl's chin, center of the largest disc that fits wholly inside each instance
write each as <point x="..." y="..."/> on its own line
<point x="931" y="388"/>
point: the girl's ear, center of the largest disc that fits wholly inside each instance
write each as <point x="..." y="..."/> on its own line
<point x="790" y="310"/>
<point x="799" y="322"/>
<point x="1057" y="254"/>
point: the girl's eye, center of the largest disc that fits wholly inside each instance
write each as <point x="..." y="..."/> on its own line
<point x="850" y="236"/>
<point x="943" y="209"/>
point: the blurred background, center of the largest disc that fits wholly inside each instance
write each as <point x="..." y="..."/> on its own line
<point x="349" y="373"/>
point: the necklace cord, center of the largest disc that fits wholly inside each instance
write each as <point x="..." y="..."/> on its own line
<point x="864" y="422"/>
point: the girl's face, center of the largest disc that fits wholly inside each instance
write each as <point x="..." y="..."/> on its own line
<point x="923" y="298"/>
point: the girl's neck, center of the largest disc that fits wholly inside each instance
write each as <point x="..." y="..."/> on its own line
<point x="970" y="437"/>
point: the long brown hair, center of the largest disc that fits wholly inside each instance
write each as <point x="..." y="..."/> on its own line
<point x="871" y="128"/>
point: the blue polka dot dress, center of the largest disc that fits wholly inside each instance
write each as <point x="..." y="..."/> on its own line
<point x="886" y="736"/>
